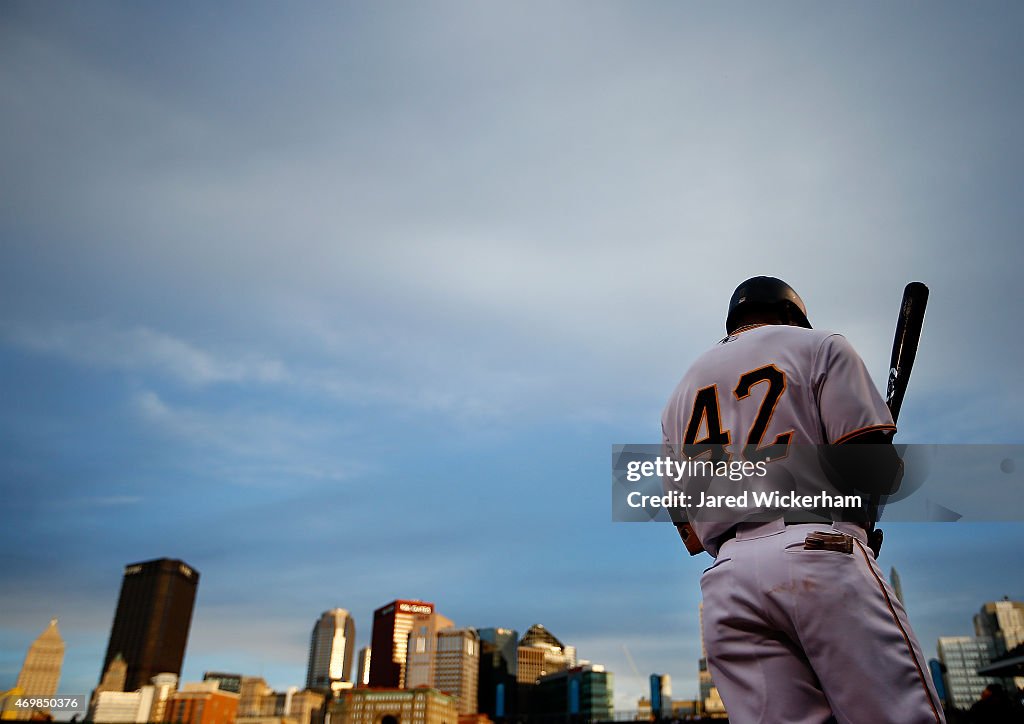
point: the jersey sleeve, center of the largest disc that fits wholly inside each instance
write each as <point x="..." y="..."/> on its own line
<point x="848" y="401"/>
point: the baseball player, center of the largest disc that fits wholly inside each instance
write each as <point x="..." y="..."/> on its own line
<point x="799" y="623"/>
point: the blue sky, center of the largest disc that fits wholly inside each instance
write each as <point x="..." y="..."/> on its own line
<point x="341" y="303"/>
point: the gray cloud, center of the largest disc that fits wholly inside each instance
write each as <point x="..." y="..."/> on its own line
<point x="141" y="348"/>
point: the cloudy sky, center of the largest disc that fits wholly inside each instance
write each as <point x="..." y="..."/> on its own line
<point x="347" y="302"/>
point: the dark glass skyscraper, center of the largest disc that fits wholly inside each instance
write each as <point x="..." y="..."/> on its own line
<point x="154" y="613"/>
<point x="496" y="695"/>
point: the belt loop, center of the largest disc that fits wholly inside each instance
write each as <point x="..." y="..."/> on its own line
<point x="746" y="531"/>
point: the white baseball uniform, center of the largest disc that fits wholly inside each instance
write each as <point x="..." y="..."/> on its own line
<point x="794" y="634"/>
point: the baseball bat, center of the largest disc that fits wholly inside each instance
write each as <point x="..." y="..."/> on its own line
<point x="904" y="344"/>
<point x="901" y="362"/>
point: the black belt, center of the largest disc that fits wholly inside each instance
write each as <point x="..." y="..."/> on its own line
<point x="731" y="533"/>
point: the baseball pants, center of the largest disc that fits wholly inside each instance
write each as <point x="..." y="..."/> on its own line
<point x="801" y="636"/>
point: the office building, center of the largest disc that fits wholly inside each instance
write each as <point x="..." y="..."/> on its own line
<point x="252" y="692"/>
<point x="538" y="654"/>
<point x="421" y="654"/>
<point x="117" y="707"/>
<point x="935" y="671"/>
<point x="457" y="666"/>
<point x="579" y="694"/>
<point x="363" y="667"/>
<point x="259" y="704"/>
<point x="897" y="586"/>
<point x="529" y="664"/>
<point x="554" y="655"/>
<point x="151" y="625"/>
<point x="394" y="706"/>
<point x="113" y="678"/>
<point x="682" y="709"/>
<point x="148" y="704"/>
<point x="202" y="703"/>
<point x="529" y="669"/>
<point x="389" y="640"/>
<point x="331" y="649"/>
<point x="225" y="682"/>
<point x="164" y="686"/>
<point x="307" y="707"/>
<point x="1003" y="622"/>
<point x="40" y="672"/>
<point x="661" y="695"/>
<point x="299" y="707"/>
<point x="960" y="658"/>
<point x="112" y="681"/>
<point x="496" y="683"/>
<point x="710" y="700"/>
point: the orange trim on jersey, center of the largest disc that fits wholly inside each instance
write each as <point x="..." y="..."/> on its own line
<point x="870" y="428"/>
<point x="748" y="327"/>
<point x="899" y="625"/>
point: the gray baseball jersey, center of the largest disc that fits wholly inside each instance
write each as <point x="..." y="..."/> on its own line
<point x="800" y="625"/>
<point x="764" y="388"/>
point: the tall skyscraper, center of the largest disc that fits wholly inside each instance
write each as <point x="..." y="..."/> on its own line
<point x="457" y="666"/>
<point x="421" y="655"/>
<point x="496" y="690"/>
<point x="331" y="649"/>
<point x="390" y="640"/>
<point x="897" y="586"/>
<point x="154" y="613"/>
<point x="447" y="659"/>
<point x="40" y="673"/>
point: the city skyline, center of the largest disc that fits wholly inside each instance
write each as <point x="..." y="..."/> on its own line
<point x="341" y="303"/>
<point x="538" y="632"/>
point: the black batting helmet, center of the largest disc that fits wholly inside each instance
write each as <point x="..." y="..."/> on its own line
<point x="765" y="292"/>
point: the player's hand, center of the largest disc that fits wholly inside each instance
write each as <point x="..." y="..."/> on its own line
<point x="690" y="539"/>
<point x="875" y="541"/>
